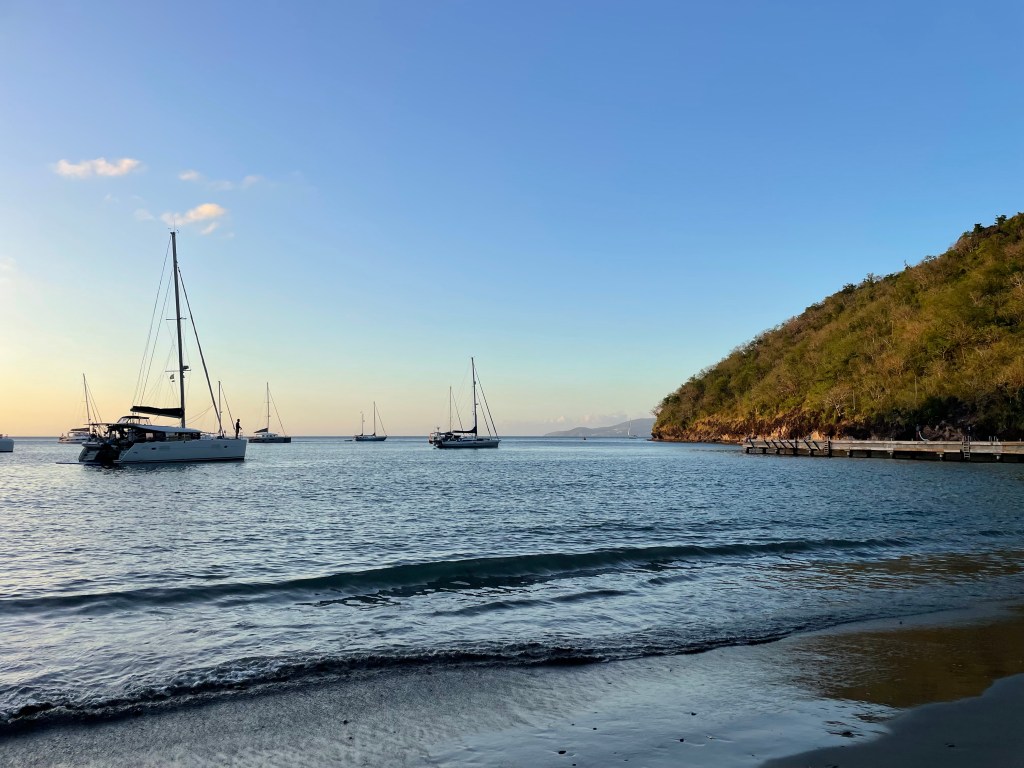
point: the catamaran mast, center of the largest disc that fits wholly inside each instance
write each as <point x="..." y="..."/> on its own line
<point x="472" y="365"/>
<point x="177" y="324"/>
<point x="268" y="406"/>
<point x="375" y="418"/>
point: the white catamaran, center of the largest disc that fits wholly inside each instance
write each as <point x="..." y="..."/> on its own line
<point x="132" y="440"/>
<point x="469" y="438"/>
<point x="265" y="435"/>
<point x="362" y="437"/>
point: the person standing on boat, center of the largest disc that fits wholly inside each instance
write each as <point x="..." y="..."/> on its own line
<point x="238" y="427"/>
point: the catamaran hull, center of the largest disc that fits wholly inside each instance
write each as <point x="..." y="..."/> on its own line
<point x="481" y="443"/>
<point x="6" y="445"/>
<point x="217" y="449"/>
<point x="278" y="439"/>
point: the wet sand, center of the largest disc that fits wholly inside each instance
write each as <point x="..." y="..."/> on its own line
<point x="861" y="694"/>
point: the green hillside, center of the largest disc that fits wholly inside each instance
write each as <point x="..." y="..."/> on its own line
<point x="939" y="345"/>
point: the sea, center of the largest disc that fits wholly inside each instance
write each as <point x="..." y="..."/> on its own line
<point x="130" y="590"/>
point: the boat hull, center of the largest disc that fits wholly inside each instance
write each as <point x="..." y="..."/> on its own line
<point x="369" y="438"/>
<point x="165" y="452"/>
<point x="274" y="439"/>
<point x="480" y="442"/>
<point x="6" y="445"/>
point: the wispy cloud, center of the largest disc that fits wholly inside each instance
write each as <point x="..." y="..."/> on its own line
<point x="8" y="273"/>
<point x="98" y="167"/>
<point x="208" y="212"/>
<point x="221" y="185"/>
<point x="141" y="214"/>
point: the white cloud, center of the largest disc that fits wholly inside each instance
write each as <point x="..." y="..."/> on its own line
<point x="143" y="215"/>
<point x="204" y="212"/>
<point x="221" y="185"/>
<point x="209" y="228"/>
<point x="98" y="167"/>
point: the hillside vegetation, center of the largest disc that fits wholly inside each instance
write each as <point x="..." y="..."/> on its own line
<point x="938" y="346"/>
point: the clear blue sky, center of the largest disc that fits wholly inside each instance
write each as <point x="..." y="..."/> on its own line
<point x="597" y="199"/>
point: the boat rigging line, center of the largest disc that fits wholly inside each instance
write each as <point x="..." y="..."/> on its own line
<point x="142" y="381"/>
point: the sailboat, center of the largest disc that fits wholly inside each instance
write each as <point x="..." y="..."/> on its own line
<point x="6" y="444"/>
<point x="362" y="437"/>
<point x="265" y="435"/>
<point x="469" y="438"/>
<point x="82" y="435"/>
<point x="629" y="431"/>
<point x="132" y="440"/>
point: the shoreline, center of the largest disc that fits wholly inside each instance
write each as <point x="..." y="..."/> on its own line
<point x="850" y="689"/>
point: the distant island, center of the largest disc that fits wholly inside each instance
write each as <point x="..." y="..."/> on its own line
<point x="936" y="350"/>
<point x="637" y="427"/>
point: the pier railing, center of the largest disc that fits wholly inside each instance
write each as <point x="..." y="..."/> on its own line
<point x="937" y="450"/>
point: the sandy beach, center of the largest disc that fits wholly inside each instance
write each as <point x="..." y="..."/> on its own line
<point x="911" y="691"/>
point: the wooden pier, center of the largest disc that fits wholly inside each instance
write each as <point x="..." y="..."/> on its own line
<point x="934" y="450"/>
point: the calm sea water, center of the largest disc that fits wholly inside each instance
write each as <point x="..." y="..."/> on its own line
<point x="120" y="588"/>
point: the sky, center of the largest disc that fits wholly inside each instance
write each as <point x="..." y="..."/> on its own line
<point x="595" y="199"/>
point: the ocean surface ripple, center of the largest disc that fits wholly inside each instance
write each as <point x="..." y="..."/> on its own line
<point x="122" y="589"/>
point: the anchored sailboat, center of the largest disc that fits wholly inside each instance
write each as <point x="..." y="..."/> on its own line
<point x="265" y="435"/>
<point x="82" y="435"/>
<point x="362" y="437"/>
<point x="132" y="440"/>
<point x="470" y="438"/>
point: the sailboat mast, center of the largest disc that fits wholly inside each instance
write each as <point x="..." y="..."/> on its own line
<point x="472" y="365"/>
<point x="88" y="414"/>
<point x="374" y="417"/>
<point x="220" y="413"/>
<point x="177" y="324"/>
<point x="268" y="406"/>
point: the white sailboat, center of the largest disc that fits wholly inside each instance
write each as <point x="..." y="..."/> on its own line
<point x="469" y="438"/>
<point x="265" y="435"/>
<point x="132" y="440"/>
<point x="362" y="437"/>
<point x="82" y="435"/>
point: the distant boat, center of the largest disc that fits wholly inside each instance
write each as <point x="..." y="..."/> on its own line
<point x="362" y="437"/>
<point x="265" y="435"/>
<point x="132" y="440"/>
<point x="469" y="438"/>
<point x="82" y="435"/>
<point x="629" y="431"/>
<point x="6" y="444"/>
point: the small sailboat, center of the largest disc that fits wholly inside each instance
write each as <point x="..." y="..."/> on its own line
<point x="470" y="438"/>
<point x="82" y="435"/>
<point x="133" y="440"/>
<point x="265" y="435"/>
<point x="362" y="437"/>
